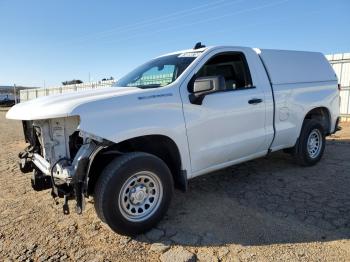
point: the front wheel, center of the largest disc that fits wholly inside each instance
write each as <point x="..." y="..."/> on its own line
<point x="311" y="143"/>
<point x="133" y="193"/>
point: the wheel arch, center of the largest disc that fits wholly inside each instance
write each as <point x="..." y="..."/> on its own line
<point x="159" y="145"/>
<point x="322" y="114"/>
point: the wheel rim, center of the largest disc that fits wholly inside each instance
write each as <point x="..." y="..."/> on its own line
<point x="140" y="196"/>
<point x="314" y="143"/>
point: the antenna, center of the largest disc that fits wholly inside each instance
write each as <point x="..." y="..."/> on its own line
<point x="198" y="45"/>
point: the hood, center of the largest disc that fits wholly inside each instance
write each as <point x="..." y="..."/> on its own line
<point x="63" y="105"/>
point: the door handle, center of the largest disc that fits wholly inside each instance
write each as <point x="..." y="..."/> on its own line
<point x="255" y="101"/>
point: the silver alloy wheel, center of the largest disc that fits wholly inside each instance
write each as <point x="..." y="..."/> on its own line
<point x="140" y="196"/>
<point x="314" y="143"/>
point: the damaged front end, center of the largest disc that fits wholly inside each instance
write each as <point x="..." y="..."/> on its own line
<point x="59" y="156"/>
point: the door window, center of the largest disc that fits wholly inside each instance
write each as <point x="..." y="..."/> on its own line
<point x="232" y="66"/>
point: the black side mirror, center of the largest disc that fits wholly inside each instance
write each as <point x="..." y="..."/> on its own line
<point x="202" y="86"/>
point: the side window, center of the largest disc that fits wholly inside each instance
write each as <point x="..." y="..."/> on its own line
<point x="232" y="66"/>
<point x="158" y="75"/>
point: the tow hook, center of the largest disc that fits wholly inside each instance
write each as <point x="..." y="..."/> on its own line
<point x="62" y="191"/>
<point x="78" y="197"/>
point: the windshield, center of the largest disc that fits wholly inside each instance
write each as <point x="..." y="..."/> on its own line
<point x="158" y="72"/>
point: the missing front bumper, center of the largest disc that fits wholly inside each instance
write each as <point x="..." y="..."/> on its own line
<point x="66" y="178"/>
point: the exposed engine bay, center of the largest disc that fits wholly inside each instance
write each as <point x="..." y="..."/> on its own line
<point x="58" y="155"/>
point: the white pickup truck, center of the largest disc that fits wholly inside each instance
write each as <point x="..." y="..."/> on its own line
<point x="178" y="116"/>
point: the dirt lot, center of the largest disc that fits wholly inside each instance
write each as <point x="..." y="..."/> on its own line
<point x="263" y="210"/>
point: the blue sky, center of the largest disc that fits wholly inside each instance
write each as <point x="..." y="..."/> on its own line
<point x="54" y="41"/>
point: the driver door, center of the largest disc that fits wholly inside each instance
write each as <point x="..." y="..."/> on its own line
<point x="229" y="125"/>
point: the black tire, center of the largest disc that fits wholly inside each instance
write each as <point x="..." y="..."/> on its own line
<point x="300" y="151"/>
<point x="109" y="198"/>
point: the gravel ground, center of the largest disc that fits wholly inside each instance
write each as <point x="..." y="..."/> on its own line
<point x="263" y="210"/>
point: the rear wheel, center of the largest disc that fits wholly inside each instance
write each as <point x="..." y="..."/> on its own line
<point x="133" y="193"/>
<point x="311" y="143"/>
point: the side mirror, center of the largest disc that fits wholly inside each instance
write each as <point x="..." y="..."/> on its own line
<point x="203" y="86"/>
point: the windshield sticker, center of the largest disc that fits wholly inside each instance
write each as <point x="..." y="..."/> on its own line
<point x="191" y="54"/>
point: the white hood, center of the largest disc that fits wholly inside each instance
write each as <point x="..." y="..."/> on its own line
<point x="62" y="105"/>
